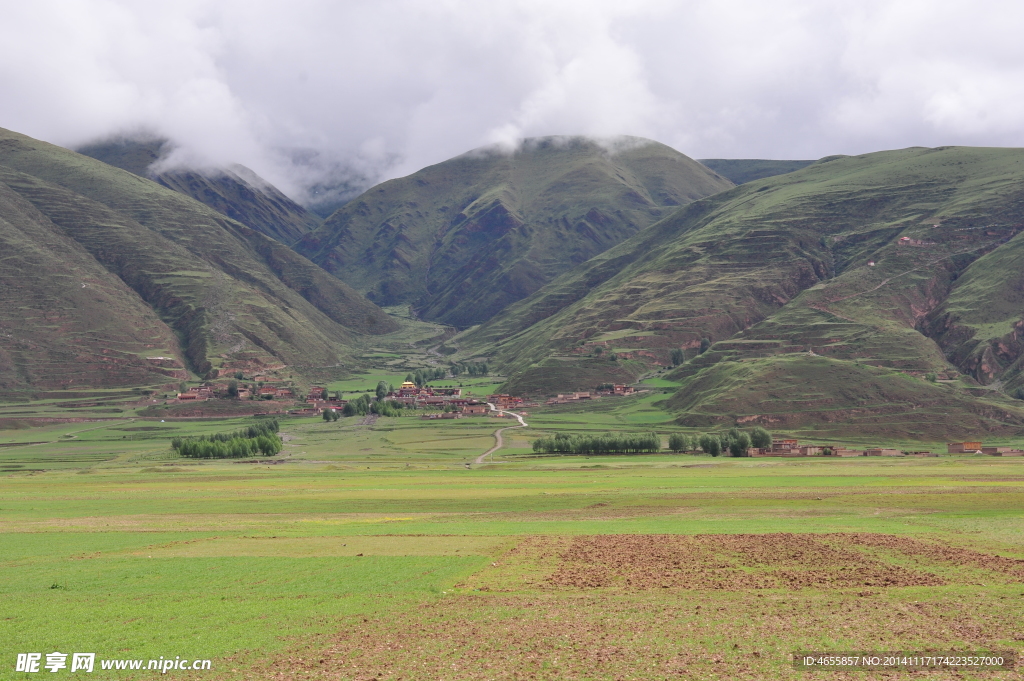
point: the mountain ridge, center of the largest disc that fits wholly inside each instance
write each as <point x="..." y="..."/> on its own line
<point x="220" y="295"/>
<point x="500" y="224"/>
<point x="780" y="266"/>
<point x="234" y="191"/>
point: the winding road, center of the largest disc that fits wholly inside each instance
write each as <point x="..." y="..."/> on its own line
<point x="498" y="440"/>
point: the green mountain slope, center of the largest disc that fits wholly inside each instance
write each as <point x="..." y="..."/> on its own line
<point x="236" y="192"/>
<point x="103" y="269"/>
<point x="64" y="319"/>
<point x="777" y="273"/>
<point x="743" y="170"/>
<point x="463" y="239"/>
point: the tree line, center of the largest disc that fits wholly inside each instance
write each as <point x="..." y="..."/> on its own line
<point x="471" y="368"/>
<point x="423" y="376"/>
<point x="563" y="443"/>
<point x="259" y="438"/>
<point x="364" y="404"/>
<point x="735" y="442"/>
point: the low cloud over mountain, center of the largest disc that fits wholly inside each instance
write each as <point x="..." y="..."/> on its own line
<point x="323" y="99"/>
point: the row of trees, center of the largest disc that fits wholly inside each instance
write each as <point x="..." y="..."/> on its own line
<point x="423" y="376"/>
<point x="259" y="438"/>
<point x="735" y="442"/>
<point x="471" y="368"/>
<point x="562" y="443"/>
<point x="364" y="404"/>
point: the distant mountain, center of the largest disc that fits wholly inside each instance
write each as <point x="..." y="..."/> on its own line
<point x="743" y="170"/>
<point x="236" y="191"/>
<point x="829" y="296"/>
<point x="463" y="239"/>
<point x="103" y="270"/>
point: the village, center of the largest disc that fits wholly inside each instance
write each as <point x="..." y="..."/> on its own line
<point x="448" y="402"/>
<point x="792" y="448"/>
<point x="445" y="403"/>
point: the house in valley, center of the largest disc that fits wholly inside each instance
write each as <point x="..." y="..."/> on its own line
<point x="963" y="447"/>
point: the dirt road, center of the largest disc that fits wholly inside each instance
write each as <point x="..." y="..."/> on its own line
<point x="498" y="440"/>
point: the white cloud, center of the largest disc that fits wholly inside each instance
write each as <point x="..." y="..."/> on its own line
<point x="314" y="93"/>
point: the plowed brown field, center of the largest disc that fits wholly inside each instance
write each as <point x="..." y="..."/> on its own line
<point x="764" y="561"/>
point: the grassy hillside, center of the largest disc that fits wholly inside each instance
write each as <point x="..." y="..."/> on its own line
<point x="65" y="319"/>
<point x="743" y="170"/>
<point x="236" y="192"/>
<point x="103" y="269"/>
<point x="463" y="239"/>
<point x="781" y="268"/>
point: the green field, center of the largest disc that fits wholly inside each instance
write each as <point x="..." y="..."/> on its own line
<point x="373" y="551"/>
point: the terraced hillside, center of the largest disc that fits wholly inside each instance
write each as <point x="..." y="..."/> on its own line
<point x="463" y="239"/>
<point x="103" y="269"/>
<point x="236" y="192"/>
<point x="832" y="291"/>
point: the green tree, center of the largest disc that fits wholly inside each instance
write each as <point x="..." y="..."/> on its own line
<point x="678" y="442"/>
<point x="1019" y="393"/>
<point x="239" y="375"/>
<point x="182" y="387"/>
<point x="705" y="343"/>
<point x="382" y="390"/>
<point x="232" y="388"/>
<point x="710" y="444"/>
<point x="760" y="438"/>
<point x="677" y="357"/>
<point x="739" y="445"/>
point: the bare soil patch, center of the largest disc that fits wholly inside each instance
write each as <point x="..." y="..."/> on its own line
<point x="726" y="562"/>
<point x="938" y="553"/>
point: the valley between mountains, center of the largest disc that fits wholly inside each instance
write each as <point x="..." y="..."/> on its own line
<point x="877" y="294"/>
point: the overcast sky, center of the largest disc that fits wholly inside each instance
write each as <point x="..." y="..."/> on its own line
<point x="314" y="91"/>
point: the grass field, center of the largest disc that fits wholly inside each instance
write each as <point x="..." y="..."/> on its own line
<point x="374" y="552"/>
